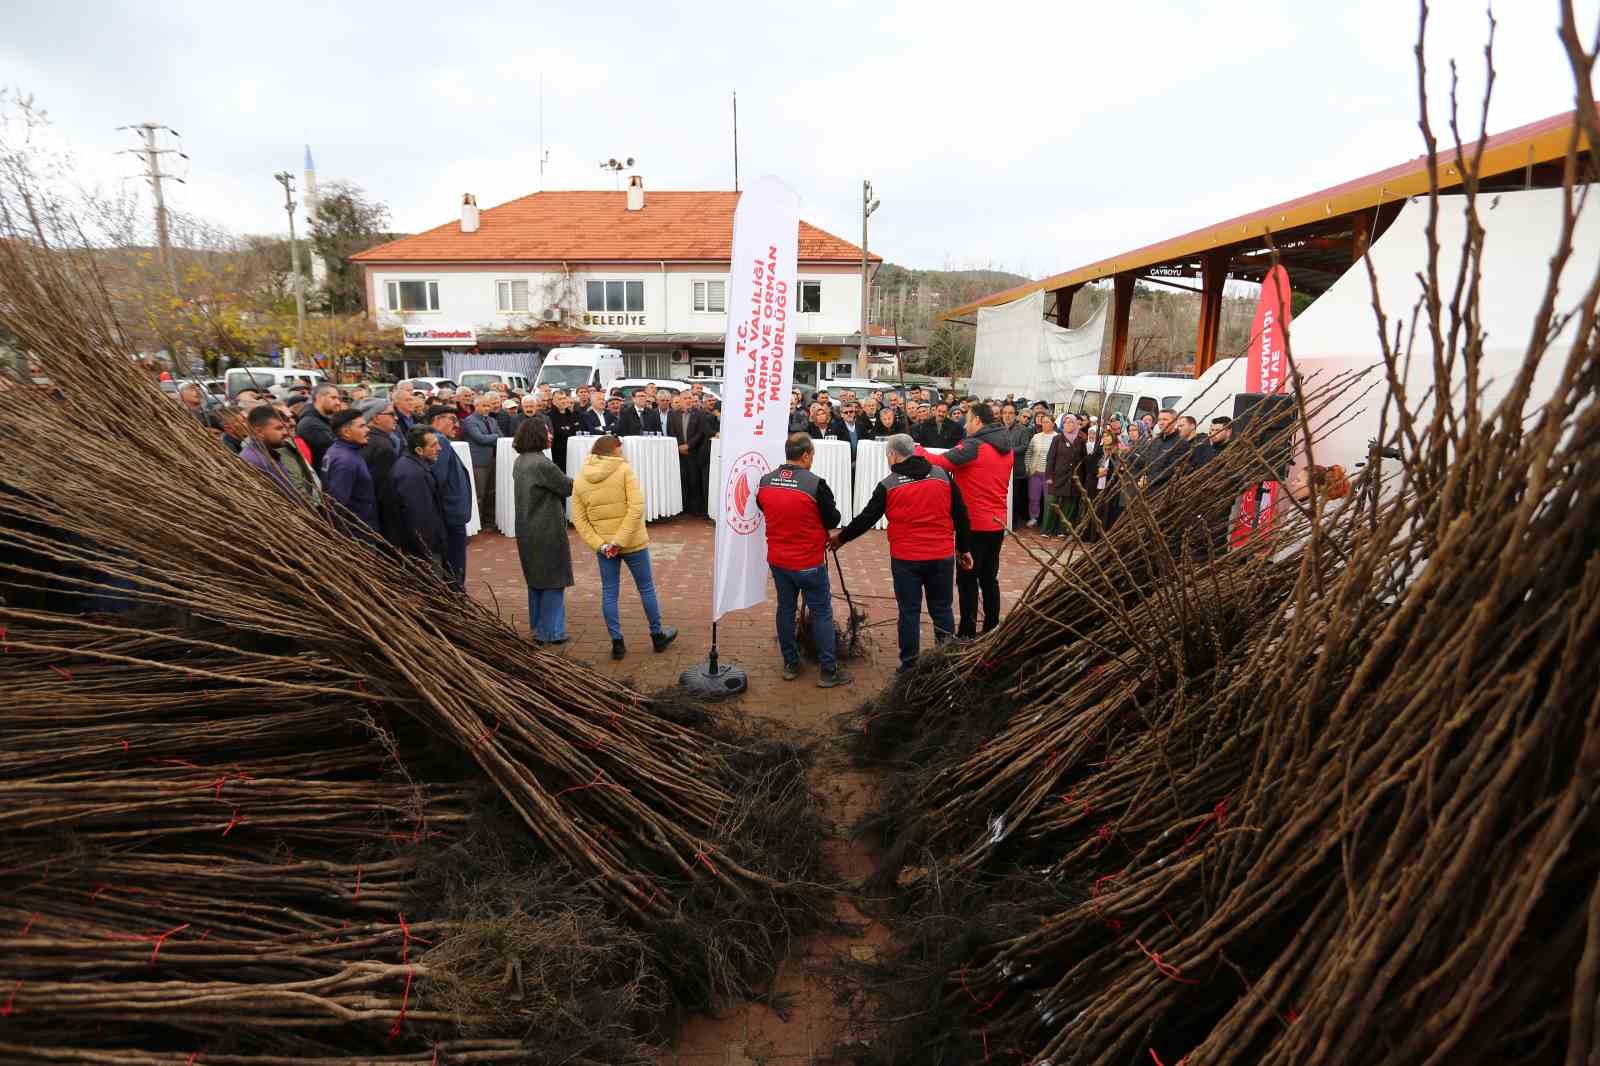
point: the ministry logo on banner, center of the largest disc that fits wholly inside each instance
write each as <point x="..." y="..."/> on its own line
<point x="758" y="365"/>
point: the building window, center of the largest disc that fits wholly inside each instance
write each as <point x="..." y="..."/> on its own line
<point x="810" y="296"/>
<point x="711" y="296"/>
<point x="615" y="295"/>
<point x="413" y="295"/>
<point x="511" y="297"/>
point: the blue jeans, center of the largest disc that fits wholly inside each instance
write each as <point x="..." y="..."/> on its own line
<point x="912" y="579"/>
<point x="455" y="556"/>
<point x="547" y="613"/>
<point x="610" y="581"/>
<point x="813" y="583"/>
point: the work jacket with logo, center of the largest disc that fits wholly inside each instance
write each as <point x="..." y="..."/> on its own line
<point x="800" y="510"/>
<point x="982" y="467"/>
<point x="927" y="518"/>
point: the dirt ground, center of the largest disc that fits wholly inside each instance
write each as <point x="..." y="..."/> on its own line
<point x="804" y="1024"/>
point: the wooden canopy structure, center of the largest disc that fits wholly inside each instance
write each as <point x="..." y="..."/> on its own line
<point x="1317" y="236"/>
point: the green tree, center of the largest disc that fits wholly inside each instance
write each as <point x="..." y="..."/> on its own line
<point x="346" y="222"/>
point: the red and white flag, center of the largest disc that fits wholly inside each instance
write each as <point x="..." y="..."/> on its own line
<point x="758" y="364"/>
<point x="1267" y="371"/>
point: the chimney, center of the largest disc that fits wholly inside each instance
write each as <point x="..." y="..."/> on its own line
<point x="469" y="213"/>
<point x="635" y="193"/>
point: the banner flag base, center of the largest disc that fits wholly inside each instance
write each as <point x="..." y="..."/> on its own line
<point x="714" y="679"/>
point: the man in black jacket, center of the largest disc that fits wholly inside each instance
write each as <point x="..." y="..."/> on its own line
<point x="384" y="443"/>
<point x="565" y="422"/>
<point x="413" y="512"/>
<point x="314" y="427"/>
<point x="688" y="426"/>
<point x="639" y="417"/>
<point x="939" y="431"/>
<point x="929" y="536"/>
<point x="592" y="419"/>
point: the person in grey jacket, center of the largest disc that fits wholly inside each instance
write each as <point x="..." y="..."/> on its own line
<point x="455" y="494"/>
<point x="1018" y="432"/>
<point x="483" y="434"/>
<point x="542" y="546"/>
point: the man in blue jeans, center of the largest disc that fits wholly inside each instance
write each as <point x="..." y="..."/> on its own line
<point x="928" y="537"/>
<point x="800" y="511"/>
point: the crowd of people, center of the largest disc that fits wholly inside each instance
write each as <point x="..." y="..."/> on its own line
<point x="953" y="462"/>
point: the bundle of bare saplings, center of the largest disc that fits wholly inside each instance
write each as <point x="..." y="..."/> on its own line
<point x="269" y="795"/>
<point x="1324" y="799"/>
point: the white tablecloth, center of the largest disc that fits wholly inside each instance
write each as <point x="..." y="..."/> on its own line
<point x="464" y="452"/>
<point x="505" y="489"/>
<point x="872" y="467"/>
<point x="655" y="464"/>
<point x="832" y="465"/>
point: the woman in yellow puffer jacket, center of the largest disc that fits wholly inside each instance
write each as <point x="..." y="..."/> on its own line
<point x="608" y="512"/>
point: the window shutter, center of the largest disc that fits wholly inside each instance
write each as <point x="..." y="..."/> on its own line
<point x="716" y="296"/>
<point x="519" y="296"/>
<point x="502" y="295"/>
<point x="433" y="296"/>
<point x="699" y="296"/>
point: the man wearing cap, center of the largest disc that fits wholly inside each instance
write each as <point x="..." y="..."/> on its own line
<point x="345" y="477"/>
<point x="455" y="495"/>
<point x="928" y="535"/>
<point x="982" y="465"/>
<point x="800" y="511"/>
<point x="483" y="434"/>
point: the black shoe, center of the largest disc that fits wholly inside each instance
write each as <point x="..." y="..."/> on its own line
<point x="618" y="649"/>
<point x="667" y="635"/>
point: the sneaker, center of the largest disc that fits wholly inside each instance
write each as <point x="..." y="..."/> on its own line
<point x="838" y="676"/>
<point x="618" y="649"/>
<point x="558" y="640"/>
<point x="667" y="635"/>
<point x="791" y="671"/>
<point x="1031" y="523"/>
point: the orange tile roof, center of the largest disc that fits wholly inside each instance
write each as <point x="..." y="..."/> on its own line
<point x="597" y="226"/>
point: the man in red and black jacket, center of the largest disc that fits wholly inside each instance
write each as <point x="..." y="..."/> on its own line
<point x="800" y="511"/>
<point x="981" y="465"/>
<point x="928" y="534"/>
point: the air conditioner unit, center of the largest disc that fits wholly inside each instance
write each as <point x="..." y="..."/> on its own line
<point x="680" y="355"/>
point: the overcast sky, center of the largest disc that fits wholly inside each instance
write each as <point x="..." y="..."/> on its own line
<point x="1033" y="138"/>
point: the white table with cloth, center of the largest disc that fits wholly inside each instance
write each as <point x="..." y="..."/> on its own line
<point x="655" y="464"/>
<point x="505" y="490"/>
<point x="832" y="464"/>
<point x="464" y="452"/>
<point x="872" y="466"/>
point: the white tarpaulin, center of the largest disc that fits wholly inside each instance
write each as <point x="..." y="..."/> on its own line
<point x="758" y="355"/>
<point x="1338" y="332"/>
<point x="1019" y="351"/>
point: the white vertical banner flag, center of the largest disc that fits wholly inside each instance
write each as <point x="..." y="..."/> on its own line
<point x="758" y="372"/>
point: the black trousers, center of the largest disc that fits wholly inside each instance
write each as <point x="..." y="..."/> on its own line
<point x="1019" y="502"/>
<point x="984" y="578"/>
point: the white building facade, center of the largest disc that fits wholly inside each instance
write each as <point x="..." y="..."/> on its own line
<point x="527" y="276"/>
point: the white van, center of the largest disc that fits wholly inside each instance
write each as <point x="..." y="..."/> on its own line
<point x="274" y="379"/>
<point x="1128" y="396"/>
<point x="478" y="380"/>
<point x="567" y="368"/>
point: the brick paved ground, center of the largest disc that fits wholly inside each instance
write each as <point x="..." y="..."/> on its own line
<point x="681" y="559"/>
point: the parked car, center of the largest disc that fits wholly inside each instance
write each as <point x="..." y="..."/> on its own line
<point x="275" y="380"/>
<point x="1127" y="395"/>
<point x="671" y="386"/>
<point x="478" y="380"/>
<point x="430" y="386"/>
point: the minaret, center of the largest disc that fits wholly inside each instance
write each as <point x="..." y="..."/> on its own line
<point x="308" y="191"/>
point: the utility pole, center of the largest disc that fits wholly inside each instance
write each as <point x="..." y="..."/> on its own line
<point x="155" y="176"/>
<point x="868" y="206"/>
<point x="735" y="142"/>
<point x="286" y="179"/>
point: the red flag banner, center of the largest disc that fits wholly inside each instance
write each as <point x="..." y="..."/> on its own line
<point x="1267" y="371"/>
